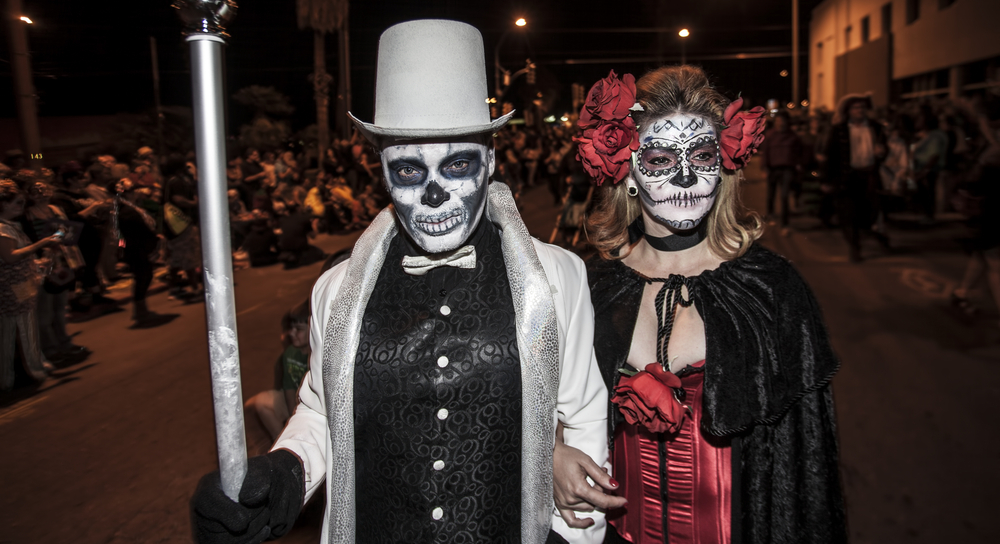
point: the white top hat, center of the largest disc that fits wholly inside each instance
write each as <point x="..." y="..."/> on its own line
<point x="430" y="82"/>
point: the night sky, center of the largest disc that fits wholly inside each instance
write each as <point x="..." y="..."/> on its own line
<point x="93" y="58"/>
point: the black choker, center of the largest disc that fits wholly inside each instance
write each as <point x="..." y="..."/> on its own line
<point x="675" y="242"/>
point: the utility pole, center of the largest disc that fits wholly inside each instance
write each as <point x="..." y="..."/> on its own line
<point x="160" y="150"/>
<point x="795" y="52"/>
<point x="24" y="88"/>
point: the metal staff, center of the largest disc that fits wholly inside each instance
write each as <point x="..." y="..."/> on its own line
<point x="205" y="21"/>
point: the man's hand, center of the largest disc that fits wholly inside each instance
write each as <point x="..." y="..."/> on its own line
<point x="269" y="502"/>
<point x="572" y="491"/>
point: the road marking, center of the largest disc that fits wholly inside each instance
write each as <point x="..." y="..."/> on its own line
<point x="20" y="410"/>
<point x="926" y="282"/>
<point x="250" y="309"/>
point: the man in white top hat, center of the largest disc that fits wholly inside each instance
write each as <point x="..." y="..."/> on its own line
<point x="444" y="352"/>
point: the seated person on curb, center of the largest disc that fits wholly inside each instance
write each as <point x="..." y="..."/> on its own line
<point x="296" y="228"/>
<point x="275" y="406"/>
<point x="444" y="351"/>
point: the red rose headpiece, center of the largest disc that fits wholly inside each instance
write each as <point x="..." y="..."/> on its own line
<point x="609" y="133"/>
<point x="742" y="135"/>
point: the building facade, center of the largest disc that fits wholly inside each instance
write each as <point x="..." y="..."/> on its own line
<point x="903" y="49"/>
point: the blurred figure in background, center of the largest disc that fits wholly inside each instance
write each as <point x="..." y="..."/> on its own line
<point x="984" y="213"/>
<point x="180" y="218"/>
<point x="853" y="151"/>
<point x="929" y="153"/>
<point x="19" y="284"/>
<point x="41" y="219"/>
<point x="781" y="152"/>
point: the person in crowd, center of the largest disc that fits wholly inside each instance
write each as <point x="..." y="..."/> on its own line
<point x="929" y="155"/>
<point x="781" y="155"/>
<point x="261" y="243"/>
<point x="407" y="460"/>
<point x="72" y="198"/>
<point x="180" y="219"/>
<point x="253" y="177"/>
<point x="270" y="179"/>
<point x="274" y="406"/>
<point x="19" y="285"/>
<point x="41" y="219"/>
<point x="135" y="229"/>
<point x="723" y="425"/>
<point x="296" y="226"/>
<point x="984" y="246"/>
<point x="286" y="169"/>
<point x="853" y="152"/>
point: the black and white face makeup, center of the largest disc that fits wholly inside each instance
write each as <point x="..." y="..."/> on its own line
<point x="677" y="169"/>
<point x="439" y="190"/>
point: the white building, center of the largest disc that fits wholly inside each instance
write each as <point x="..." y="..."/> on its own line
<point x="903" y="49"/>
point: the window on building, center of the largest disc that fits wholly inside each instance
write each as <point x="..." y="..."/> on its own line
<point x="887" y="19"/>
<point x="912" y="10"/>
<point x="866" y="28"/>
<point x="945" y="3"/>
<point x="847" y="37"/>
<point x="819" y="53"/>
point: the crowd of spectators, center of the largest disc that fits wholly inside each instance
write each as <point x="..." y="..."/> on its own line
<point x="70" y="234"/>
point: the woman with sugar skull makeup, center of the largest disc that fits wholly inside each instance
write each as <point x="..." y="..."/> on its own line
<point x="721" y="419"/>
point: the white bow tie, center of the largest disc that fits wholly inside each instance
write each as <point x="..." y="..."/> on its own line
<point x="463" y="257"/>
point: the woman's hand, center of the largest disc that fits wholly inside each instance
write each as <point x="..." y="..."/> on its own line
<point x="572" y="492"/>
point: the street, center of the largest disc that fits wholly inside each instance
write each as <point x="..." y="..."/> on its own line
<point x="110" y="450"/>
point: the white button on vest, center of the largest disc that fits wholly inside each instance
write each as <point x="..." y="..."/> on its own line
<point x="437" y="513"/>
<point x="442" y="361"/>
<point x="443" y="413"/>
<point x="439" y="465"/>
<point x="445" y="310"/>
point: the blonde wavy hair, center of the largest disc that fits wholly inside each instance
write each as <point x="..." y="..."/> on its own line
<point x="731" y="228"/>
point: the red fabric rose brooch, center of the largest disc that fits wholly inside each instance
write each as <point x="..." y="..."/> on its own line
<point x="609" y="133"/>
<point x="742" y="136"/>
<point x="649" y="398"/>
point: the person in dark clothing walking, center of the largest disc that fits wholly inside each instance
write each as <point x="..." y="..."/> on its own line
<point x="853" y="151"/>
<point x="781" y="152"/>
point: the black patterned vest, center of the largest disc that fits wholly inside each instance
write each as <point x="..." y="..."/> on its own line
<point x="437" y="403"/>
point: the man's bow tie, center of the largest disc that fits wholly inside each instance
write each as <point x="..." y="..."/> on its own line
<point x="463" y="257"/>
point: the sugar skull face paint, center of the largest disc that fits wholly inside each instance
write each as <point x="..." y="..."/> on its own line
<point x="677" y="169"/>
<point x="439" y="190"/>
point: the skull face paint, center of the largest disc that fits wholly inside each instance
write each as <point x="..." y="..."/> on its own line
<point x="439" y="190"/>
<point x="677" y="169"/>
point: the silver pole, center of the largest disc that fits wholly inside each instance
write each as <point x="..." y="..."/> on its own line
<point x="205" y="19"/>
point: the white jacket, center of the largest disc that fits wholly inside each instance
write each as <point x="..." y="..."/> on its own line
<point x="559" y="374"/>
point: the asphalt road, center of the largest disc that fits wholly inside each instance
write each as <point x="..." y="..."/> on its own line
<point x="110" y="450"/>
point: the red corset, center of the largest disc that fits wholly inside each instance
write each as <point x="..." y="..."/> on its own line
<point x="697" y="476"/>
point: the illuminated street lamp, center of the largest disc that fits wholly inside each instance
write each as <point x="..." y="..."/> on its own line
<point x="521" y="22"/>
<point x="684" y="33"/>
<point x="24" y="88"/>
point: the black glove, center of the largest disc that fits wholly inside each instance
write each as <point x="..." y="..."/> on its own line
<point x="269" y="502"/>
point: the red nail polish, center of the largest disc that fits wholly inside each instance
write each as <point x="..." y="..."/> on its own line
<point x="613" y="482"/>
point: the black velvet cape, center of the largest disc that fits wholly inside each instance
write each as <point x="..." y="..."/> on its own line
<point x="766" y="389"/>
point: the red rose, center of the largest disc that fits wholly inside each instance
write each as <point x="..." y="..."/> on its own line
<point x="742" y="136"/>
<point x="608" y="100"/>
<point x="606" y="150"/>
<point x="647" y="399"/>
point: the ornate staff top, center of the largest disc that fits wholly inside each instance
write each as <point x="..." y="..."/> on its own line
<point x="205" y="16"/>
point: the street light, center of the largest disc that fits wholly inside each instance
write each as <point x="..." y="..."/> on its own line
<point x="497" y="69"/>
<point x="684" y="33"/>
<point x="26" y="19"/>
